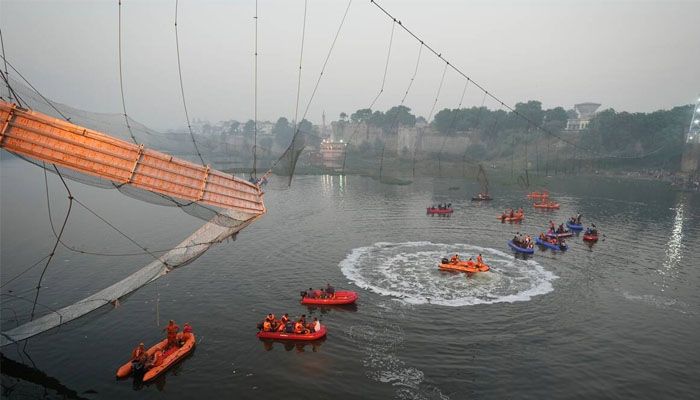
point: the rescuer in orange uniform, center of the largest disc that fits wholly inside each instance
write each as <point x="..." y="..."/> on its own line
<point x="172" y="330"/>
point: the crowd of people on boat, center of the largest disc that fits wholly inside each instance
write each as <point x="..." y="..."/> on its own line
<point x="141" y="361"/>
<point x="324" y="293"/>
<point x="441" y="206"/>
<point x="524" y="241"/>
<point x="285" y="325"/>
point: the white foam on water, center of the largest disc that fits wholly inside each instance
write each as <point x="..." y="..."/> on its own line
<point x="408" y="271"/>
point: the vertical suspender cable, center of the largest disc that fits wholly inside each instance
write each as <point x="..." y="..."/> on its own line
<point x="121" y="78"/>
<point x="254" y="175"/>
<point x="182" y="88"/>
<point x="7" y="75"/>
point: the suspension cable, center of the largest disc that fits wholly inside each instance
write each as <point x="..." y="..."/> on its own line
<point x="182" y="88"/>
<point x="483" y="89"/>
<point x="313" y="93"/>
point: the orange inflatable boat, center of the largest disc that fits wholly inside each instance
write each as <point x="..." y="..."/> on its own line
<point x="170" y="357"/>
<point x="538" y="195"/>
<point x="515" y="218"/>
<point x="548" y="206"/>
<point x="463" y="266"/>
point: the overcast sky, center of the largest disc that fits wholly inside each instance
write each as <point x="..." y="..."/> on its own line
<point x="628" y="55"/>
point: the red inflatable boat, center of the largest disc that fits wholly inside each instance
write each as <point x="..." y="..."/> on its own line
<point x="340" y="297"/>
<point x="293" y="336"/>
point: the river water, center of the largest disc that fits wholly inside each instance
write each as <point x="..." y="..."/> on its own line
<point x="619" y="319"/>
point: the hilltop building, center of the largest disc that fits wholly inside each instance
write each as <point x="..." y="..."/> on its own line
<point x="585" y="112"/>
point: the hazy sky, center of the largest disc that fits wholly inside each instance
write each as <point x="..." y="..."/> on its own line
<point x="628" y="55"/>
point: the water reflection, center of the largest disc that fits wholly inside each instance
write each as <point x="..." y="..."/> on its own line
<point x="674" y="245"/>
<point x="331" y="182"/>
<point x="325" y="309"/>
<point x="289" y="345"/>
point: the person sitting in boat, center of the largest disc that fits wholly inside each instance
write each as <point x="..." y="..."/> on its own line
<point x="470" y="262"/>
<point x="479" y="259"/>
<point x="186" y="334"/>
<point x="316" y="325"/>
<point x="520" y="211"/>
<point x="289" y="327"/>
<point x="267" y="326"/>
<point x="172" y="329"/>
<point x="155" y="360"/>
<point x="578" y="219"/>
<point x="561" y="228"/>
<point x="512" y="213"/>
<point x="516" y="241"/>
<point x="330" y="290"/>
<point x="139" y="357"/>
<point x="299" y="328"/>
<point x="454" y="259"/>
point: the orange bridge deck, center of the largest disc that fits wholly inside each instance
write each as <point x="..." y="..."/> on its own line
<point x="55" y="141"/>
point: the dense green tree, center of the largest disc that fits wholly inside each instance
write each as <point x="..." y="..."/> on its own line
<point x="282" y="131"/>
<point x="249" y="129"/>
<point x="362" y="115"/>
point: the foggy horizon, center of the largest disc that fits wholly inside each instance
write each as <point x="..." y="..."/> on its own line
<point x="626" y="55"/>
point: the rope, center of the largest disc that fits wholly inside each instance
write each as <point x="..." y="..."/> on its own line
<point x="121" y="79"/>
<point x="53" y="251"/>
<point x="182" y="88"/>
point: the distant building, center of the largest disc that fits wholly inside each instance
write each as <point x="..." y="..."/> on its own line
<point x="585" y="112"/>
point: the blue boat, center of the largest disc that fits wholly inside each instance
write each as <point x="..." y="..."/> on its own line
<point x="524" y="250"/>
<point x="550" y="245"/>
<point x="574" y="227"/>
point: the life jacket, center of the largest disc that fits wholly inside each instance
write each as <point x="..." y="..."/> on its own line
<point x="172" y="329"/>
<point x="138" y="353"/>
<point x="479" y="260"/>
<point x="158" y="358"/>
<point x="298" y="327"/>
<point x="267" y="326"/>
<point x="284" y="320"/>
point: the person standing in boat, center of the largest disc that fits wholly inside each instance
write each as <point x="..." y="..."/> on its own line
<point x="330" y="290"/>
<point x="479" y="259"/>
<point x="172" y="329"/>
